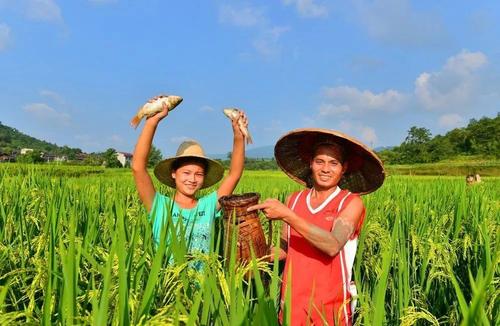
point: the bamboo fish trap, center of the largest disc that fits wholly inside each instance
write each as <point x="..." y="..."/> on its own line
<point x="249" y="232"/>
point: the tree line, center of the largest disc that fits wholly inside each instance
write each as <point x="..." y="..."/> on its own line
<point x="12" y="141"/>
<point x="480" y="137"/>
<point x="252" y="163"/>
<point x="108" y="158"/>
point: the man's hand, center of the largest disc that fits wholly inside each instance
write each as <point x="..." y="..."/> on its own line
<point x="273" y="209"/>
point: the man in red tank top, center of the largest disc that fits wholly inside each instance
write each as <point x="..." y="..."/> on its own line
<point x="321" y="223"/>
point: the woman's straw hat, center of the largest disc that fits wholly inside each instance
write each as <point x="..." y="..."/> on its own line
<point x="189" y="149"/>
<point x="294" y="151"/>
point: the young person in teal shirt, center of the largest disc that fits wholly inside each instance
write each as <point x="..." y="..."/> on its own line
<point x="187" y="172"/>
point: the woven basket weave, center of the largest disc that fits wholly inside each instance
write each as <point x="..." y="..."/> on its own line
<point x="247" y="224"/>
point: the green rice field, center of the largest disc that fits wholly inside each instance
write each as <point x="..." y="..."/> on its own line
<point x="76" y="248"/>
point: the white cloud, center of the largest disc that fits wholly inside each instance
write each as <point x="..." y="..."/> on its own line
<point x="395" y="22"/>
<point x="207" y="108"/>
<point x="47" y="115"/>
<point x="368" y="135"/>
<point x="359" y="130"/>
<point x="326" y="109"/>
<point x="267" y="44"/>
<point x="5" y="36"/>
<point x="43" y="10"/>
<point x="451" y="121"/>
<point x="54" y="96"/>
<point x="462" y="87"/>
<point x="345" y="99"/>
<point x="242" y="17"/>
<point x="456" y="86"/>
<point x="267" y="39"/>
<point x="308" y="8"/>
<point x="466" y="62"/>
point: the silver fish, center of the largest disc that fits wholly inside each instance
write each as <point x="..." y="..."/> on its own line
<point x="232" y="113"/>
<point x="151" y="108"/>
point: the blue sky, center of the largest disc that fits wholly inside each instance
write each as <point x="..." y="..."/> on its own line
<point x="75" y="72"/>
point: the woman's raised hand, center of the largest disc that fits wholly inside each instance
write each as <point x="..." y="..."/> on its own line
<point x="160" y="115"/>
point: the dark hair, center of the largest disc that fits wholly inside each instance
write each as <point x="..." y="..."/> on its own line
<point x="181" y="161"/>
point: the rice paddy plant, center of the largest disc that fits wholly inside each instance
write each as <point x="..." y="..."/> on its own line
<point x="76" y="247"/>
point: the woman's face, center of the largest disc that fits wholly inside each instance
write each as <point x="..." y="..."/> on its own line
<point x="189" y="178"/>
<point x="327" y="167"/>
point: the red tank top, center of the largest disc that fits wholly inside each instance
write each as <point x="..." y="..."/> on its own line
<point x="319" y="283"/>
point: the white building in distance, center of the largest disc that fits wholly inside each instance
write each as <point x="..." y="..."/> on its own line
<point x="26" y="150"/>
<point x="124" y="158"/>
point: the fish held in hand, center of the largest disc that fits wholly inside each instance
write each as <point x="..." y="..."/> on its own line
<point x="232" y="113"/>
<point x="153" y="107"/>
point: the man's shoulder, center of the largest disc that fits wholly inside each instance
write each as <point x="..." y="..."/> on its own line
<point x="295" y="195"/>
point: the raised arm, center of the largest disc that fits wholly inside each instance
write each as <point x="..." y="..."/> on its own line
<point x="237" y="161"/>
<point x="328" y="242"/>
<point x="142" y="179"/>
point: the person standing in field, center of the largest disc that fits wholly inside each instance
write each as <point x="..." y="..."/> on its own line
<point x="187" y="172"/>
<point x="322" y="222"/>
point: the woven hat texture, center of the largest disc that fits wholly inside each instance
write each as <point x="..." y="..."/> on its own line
<point x="294" y="151"/>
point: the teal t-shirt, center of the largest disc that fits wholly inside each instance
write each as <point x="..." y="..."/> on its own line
<point x="195" y="222"/>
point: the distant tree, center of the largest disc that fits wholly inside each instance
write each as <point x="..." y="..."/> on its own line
<point x="484" y="136"/>
<point x="253" y="164"/>
<point x="480" y="137"/>
<point x="459" y="140"/>
<point x="93" y="159"/>
<point x="69" y="152"/>
<point x="5" y="138"/>
<point x="418" y="135"/>
<point x="30" y="157"/>
<point x="109" y="157"/>
<point x="415" y="147"/>
<point x="440" y="148"/>
<point x="390" y="156"/>
<point x="154" y="157"/>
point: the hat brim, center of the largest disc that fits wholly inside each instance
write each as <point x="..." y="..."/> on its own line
<point x="213" y="173"/>
<point x="294" y="151"/>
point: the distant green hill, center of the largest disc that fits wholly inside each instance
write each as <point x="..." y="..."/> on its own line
<point x="479" y="138"/>
<point x="12" y="140"/>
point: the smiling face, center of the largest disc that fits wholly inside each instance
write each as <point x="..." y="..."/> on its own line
<point x="189" y="177"/>
<point x="327" y="166"/>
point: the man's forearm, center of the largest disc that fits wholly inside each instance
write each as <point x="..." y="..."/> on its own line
<point x="319" y="238"/>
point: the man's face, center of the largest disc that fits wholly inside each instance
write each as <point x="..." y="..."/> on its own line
<point x="326" y="166"/>
<point x="189" y="178"/>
